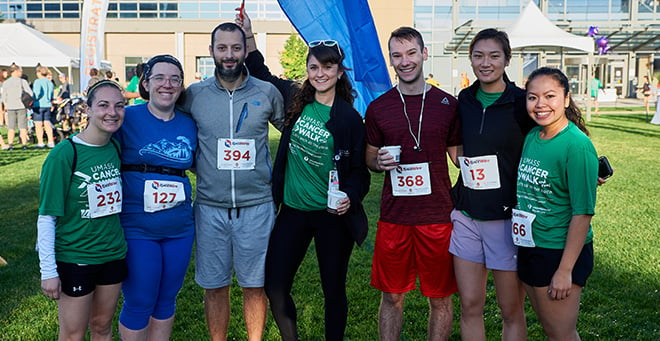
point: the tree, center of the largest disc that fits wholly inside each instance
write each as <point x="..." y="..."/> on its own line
<point x="293" y="58"/>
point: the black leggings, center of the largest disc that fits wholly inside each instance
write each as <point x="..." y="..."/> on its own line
<point x="291" y="236"/>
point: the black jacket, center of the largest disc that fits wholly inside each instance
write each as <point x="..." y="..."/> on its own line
<point x="347" y="129"/>
<point x="497" y="130"/>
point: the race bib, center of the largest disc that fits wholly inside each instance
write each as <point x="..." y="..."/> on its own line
<point x="411" y="180"/>
<point x="104" y="197"/>
<point x="480" y="172"/>
<point x="236" y="154"/>
<point x="161" y="195"/>
<point x="521" y="228"/>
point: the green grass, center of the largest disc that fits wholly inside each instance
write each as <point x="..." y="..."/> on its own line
<point x="620" y="300"/>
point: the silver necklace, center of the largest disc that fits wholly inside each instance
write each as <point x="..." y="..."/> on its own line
<point x="418" y="138"/>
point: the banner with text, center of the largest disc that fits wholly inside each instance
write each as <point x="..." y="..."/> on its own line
<point x="92" y="31"/>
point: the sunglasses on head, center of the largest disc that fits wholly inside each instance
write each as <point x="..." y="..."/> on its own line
<point x="328" y="43"/>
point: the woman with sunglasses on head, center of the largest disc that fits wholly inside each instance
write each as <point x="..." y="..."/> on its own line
<point x="158" y="146"/>
<point x="321" y="150"/>
<point x="80" y="240"/>
<point x="556" y="201"/>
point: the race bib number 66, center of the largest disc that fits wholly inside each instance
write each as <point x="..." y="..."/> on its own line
<point x="521" y="228"/>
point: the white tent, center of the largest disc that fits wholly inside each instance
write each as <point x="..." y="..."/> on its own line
<point x="533" y="29"/>
<point x="26" y="46"/>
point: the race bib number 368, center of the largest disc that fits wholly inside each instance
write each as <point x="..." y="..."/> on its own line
<point x="411" y="180"/>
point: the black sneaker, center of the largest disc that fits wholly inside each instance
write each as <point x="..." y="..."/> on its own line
<point x="24" y="147"/>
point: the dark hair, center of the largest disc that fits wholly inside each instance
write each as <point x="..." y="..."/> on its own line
<point x="499" y="36"/>
<point x="148" y="67"/>
<point x="573" y="113"/>
<point x="108" y="74"/>
<point x="93" y="72"/>
<point x="228" y="27"/>
<point x="91" y="92"/>
<point x="139" y="69"/>
<point x="407" y="33"/>
<point x="344" y="89"/>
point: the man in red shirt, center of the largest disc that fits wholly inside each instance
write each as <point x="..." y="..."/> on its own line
<point x="414" y="227"/>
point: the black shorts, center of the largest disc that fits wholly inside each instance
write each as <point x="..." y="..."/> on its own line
<point x="80" y="280"/>
<point x="537" y="265"/>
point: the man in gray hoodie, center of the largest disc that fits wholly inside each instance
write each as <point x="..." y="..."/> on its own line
<point x="234" y="210"/>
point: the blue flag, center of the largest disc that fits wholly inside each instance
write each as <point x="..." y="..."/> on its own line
<point x="350" y="23"/>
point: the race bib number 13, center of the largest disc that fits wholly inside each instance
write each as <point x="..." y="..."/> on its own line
<point x="480" y="172"/>
<point x="104" y="198"/>
<point x="236" y="154"/>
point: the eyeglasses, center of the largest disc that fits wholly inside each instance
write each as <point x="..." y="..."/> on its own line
<point x="160" y="80"/>
<point x="328" y="43"/>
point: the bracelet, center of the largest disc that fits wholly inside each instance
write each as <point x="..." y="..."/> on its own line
<point x="248" y="37"/>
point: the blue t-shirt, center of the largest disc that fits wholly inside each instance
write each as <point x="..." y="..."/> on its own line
<point x="43" y="93"/>
<point x="146" y="139"/>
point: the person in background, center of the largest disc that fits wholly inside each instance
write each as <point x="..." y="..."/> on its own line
<point x="80" y="240"/>
<point x="414" y="228"/>
<point x="41" y="108"/>
<point x="494" y="124"/>
<point x="647" y="91"/>
<point x="158" y="144"/>
<point x="333" y="149"/>
<point x="465" y="81"/>
<point x="95" y="76"/>
<point x="234" y="209"/>
<point x="596" y="86"/>
<point x="12" y="90"/>
<point x="432" y="81"/>
<point x="3" y="110"/>
<point x="132" y="92"/>
<point x="556" y="191"/>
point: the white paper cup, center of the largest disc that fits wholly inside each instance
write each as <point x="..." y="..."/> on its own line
<point x="334" y="197"/>
<point x="395" y="151"/>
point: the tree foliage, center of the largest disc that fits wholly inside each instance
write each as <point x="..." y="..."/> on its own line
<point x="293" y="58"/>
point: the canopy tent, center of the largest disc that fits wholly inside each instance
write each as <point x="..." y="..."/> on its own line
<point x="533" y="29"/>
<point x="28" y="47"/>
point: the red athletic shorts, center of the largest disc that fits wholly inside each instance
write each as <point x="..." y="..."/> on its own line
<point x="403" y="252"/>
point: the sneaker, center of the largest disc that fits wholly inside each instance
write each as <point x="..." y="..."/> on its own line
<point x="24" y="147"/>
<point x="6" y="147"/>
<point x="50" y="145"/>
<point x="40" y="145"/>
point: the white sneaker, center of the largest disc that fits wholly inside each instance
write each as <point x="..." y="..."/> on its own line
<point x="50" y="145"/>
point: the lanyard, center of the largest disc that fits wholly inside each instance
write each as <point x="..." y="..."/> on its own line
<point x="418" y="138"/>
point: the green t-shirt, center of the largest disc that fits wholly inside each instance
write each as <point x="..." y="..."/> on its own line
<point x="78" y="238"/>
<point x="487" y="98"/>
<point x="133" y="87"/>
<point x="595" y="86"/>
<point x="309" y="160"/>
<point x="557" y="179"/>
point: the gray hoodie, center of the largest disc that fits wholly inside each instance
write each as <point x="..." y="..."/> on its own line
<point x="217" y="113"/>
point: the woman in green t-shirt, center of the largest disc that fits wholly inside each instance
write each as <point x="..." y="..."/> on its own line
<point x="80" y="240"/>
<point x="556" y="190"/>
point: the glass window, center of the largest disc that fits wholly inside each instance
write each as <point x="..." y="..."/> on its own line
<point x="205" y="66"/>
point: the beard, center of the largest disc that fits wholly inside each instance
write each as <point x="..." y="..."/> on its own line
<point x="229" y="75"/>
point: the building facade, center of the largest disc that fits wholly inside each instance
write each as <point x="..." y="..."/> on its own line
<point x="138" y="29"/>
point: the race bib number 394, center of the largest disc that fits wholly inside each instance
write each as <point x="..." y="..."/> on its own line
<point x="160" y="195"/>
<point x="236" y="154"/>
<point x="104" y="198"/>
<point x="411" y="180"/>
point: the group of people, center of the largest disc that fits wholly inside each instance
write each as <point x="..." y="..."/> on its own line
<point x="116" y="212"/>
<point x="22" y="103"/>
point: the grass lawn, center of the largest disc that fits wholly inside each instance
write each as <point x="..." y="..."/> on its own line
<point x="620" y="300"/>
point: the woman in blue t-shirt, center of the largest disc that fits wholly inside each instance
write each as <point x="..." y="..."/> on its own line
<point x="158" y="145"/>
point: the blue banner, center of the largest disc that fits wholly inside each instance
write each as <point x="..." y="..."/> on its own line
<point x="350" y="23"/>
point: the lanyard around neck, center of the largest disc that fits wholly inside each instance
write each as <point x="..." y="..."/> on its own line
<point x="418" y="138"/>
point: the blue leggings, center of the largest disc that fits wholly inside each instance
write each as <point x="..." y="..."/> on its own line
<point x="156" y="269"/>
